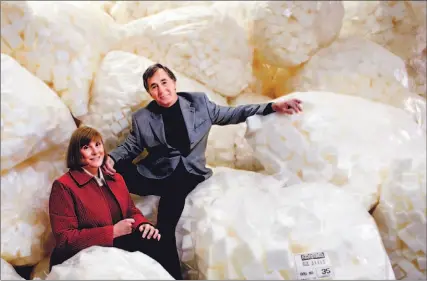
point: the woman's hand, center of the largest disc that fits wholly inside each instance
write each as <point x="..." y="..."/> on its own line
<point x="123" y="227"/>
<point x="149" y="231"/>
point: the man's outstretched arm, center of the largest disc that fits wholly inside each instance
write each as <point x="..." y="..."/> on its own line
<point x="224" y="115"/>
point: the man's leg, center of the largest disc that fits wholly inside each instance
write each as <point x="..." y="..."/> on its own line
<point x="135" y="182"/>
<point x="160" y="251"/>
<point x="172" y="204"/>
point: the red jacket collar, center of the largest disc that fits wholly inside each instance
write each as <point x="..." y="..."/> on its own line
<point x="81" y="178"/>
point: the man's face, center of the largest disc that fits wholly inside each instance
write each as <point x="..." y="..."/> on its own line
<point x="162" y="88"/>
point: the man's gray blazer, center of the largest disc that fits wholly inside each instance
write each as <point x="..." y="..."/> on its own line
<point x="199" y="115"/>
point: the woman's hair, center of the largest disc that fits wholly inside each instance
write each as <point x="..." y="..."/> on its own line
<point x="81" y="136"/>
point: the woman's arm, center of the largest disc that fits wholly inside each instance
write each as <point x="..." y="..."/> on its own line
<point x="64" y="223"/>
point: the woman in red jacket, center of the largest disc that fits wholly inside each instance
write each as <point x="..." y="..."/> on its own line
<point x="88" y="208"/>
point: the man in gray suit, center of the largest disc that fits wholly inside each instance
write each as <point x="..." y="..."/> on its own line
<point x="174" y="130"/>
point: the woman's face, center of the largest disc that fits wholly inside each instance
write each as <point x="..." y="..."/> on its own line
<point x="92" y="154"/>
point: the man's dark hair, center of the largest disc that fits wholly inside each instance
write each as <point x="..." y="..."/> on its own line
<point x="151" y="70"/>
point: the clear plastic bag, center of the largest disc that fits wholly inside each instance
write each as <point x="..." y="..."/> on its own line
<point x="359" y="67"/>
<point x="401" y="217"/>
<point x="126" y="11"/>
<point x="288" y="33"/>
<point x="388" y="23"/>
<point x="398" y="26"/>
<point x="61" y="42"/>
<point x="25" y="190"/>
<point x="33" y="118"/>
<point x="109" y="263"/>
<point x="243" y="12"/>
<point x="244" y="225"/>
<point x="198" y="41"/>
<point x="345" y="140"/>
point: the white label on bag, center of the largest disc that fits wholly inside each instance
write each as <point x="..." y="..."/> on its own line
<point x="312" y="266"/>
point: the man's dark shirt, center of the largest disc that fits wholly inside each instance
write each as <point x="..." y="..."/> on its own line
<point x="175" y="129"/>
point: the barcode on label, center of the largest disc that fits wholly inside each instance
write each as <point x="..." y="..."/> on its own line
<point x="319" y="255"/>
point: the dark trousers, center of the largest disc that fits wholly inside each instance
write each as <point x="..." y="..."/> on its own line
<point x="158" y="250"/>
<point x="172" y="191"/>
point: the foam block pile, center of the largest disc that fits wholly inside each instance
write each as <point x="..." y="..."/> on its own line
<point x="116" y="264"/>
<point x="126" y="11"/>
<point x="401" y="217"/>
<point x="190" y="40"/>
<point x="288" y="33"/>
<point x="305" y="182"/>
<point x="26" y="233"/>
<point x="304" y="148"/>
<point x="390" y="23"/>
<point x="33" y="118"/>
<point x="36" y="126"/>
<point x="359" y="67"/>
<point x="243" y="225"/>
<point x="242" y="12"/>
<point x="61" y="43"/>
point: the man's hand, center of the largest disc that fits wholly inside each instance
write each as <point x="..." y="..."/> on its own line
<point x="123" y="227"/>
<point x="108" y="166"/>
<point x="288" y="107"/>
<point x="149" y="231"/>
